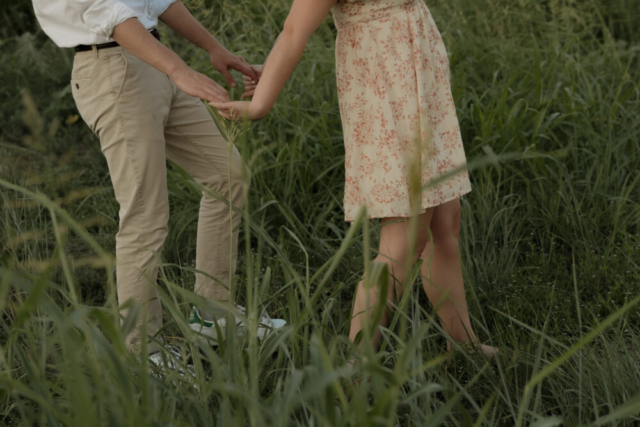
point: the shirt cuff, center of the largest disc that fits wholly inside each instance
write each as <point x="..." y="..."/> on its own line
<point x="104" y="16"/>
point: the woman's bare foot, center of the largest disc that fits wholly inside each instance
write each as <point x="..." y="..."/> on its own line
<point x="475" y="347"/>
<point x="488" y="351"/>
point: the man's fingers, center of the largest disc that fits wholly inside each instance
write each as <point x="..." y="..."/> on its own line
<point x="244" y="61"/>
<point x="208" y="96"/>
<point x="216" y="97"/>
<point x="248" y="94"/>
<point x="214" y="91"/>
<point x="213" y="96"/>
<point x="245" y="69"/>
<point x="258" y="69"/>
<point x="221" y="92"/>
<point x="229" y="78"/>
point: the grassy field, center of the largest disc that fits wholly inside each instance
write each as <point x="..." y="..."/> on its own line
<point x="548" y="96"/>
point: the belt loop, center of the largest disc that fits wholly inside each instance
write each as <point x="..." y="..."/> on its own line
<point x="95" y="51"/>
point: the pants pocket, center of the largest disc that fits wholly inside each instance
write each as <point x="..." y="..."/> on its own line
<point x="118" y="67"/>
<point x="83" y="90"/>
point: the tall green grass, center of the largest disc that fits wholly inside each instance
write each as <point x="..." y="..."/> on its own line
<point x="548" y="99"/>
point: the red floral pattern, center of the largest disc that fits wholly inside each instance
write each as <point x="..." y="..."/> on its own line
<point x="396" y="105"/>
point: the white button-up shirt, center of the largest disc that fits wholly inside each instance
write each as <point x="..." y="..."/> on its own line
<point x="70" y="23"/>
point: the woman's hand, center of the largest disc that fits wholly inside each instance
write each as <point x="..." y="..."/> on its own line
<point x="250" y="84"/>
<point x="239" y="110"/>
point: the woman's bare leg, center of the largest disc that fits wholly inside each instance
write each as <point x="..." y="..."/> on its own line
<point x="442" y="275"/>
<point x="394" y="251"/>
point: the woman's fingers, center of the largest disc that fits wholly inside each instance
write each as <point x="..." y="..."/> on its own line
<point x="221" y="105"/>
<point x="233" y="110"/>
<point x="249" y="88"/>
<point x="248" y="94"/>
<point x="249" y="85"/>
<point x="224" y="109"/>
<point x="223" y="112"/>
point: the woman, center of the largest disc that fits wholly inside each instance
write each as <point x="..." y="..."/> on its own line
<point x="399" y="121"/>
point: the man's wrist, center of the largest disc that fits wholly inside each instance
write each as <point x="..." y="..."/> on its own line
<point x="212" y="46"/>
<point x="176" y="66"/>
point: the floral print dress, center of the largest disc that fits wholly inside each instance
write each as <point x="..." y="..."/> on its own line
<point x="400" y="126"/>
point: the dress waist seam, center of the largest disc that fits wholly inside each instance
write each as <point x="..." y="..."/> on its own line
<point x="411" y="8"/>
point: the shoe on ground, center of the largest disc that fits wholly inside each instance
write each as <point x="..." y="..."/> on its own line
<point x="199" y="324"/>
<point x="169" y="360"/>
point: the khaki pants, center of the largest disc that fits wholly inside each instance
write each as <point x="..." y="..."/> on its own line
<point x="141" y="118"/>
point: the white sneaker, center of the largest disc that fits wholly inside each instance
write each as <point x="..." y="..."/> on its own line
<point x="169" y="359"/>
<point x="208" y="328"/>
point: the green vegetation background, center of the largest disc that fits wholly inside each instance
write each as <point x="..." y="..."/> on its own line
<point x="548" y="97"/>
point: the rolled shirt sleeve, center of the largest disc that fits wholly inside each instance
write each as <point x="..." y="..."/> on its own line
<point x="160" y="6"/>
<point x="102" y="16"/>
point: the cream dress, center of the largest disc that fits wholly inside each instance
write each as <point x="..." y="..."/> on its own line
<point x="399" y="120"/>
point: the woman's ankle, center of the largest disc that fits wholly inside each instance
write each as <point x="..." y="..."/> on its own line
<point x="462" y="340"/>
<point x="464" y="337"/>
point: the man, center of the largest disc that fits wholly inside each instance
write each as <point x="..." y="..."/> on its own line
<point x="142" y="101"/>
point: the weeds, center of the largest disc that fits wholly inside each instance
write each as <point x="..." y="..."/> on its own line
<point x="547" y="96"/>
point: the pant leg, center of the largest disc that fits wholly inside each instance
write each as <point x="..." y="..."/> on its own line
<point x="195" y="143"/>
<point x="126" y="103"/>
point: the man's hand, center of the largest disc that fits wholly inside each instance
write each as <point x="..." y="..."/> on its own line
<point x="135" y="38"/>
<point x="250" y="84"/>
<point x="239" y="110"/>
<point x="223" y="61"/>
<point x="199" y="85"/>
<point x="180" y="19"/>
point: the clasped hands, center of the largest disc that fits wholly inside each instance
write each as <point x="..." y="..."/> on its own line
<point x="238" y="110"/>
<point x="223" y="61"/>
<point x="201" y="86"/>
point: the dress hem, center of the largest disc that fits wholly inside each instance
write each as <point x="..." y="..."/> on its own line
<point x="380" y="215"/>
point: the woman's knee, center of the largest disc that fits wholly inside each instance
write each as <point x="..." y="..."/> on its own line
<point x="423" y="239"/>
<point x="400" y="241"/>
<point x="445" y="225"/>
<point x="400" y="255"/>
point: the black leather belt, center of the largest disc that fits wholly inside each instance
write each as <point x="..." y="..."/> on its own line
<point x="85" y="47"/>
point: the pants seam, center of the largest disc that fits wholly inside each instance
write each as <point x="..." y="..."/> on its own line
<point x="140" y="202"/>
<point x="226" y="183"/>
